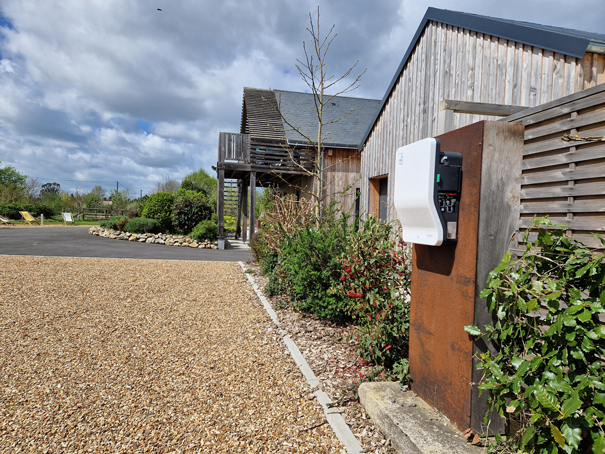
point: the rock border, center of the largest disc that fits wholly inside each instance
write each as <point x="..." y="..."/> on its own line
<point x="153" y="238"/>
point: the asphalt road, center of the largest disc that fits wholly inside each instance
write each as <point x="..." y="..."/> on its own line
<point x="76" y="242"/>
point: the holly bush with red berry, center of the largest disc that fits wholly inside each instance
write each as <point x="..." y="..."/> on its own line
<point x="375" y="279"/>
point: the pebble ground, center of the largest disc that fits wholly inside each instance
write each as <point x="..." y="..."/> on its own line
<point x="121" y="356"/>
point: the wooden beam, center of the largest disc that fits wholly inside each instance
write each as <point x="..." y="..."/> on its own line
<point x="244" y="211"/>
<point x="238" y="224"/>
<point x="222" y="151"/>
<point x="480" y="108"/>
<point x="220" y="205"/>
<point x="252" y="202"/>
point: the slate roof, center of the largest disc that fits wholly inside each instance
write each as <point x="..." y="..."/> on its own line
<point x="299" y="110"/>
<point x="566" y="41"/>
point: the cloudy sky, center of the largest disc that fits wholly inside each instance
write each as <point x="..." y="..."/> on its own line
<point x="98" y="91"/>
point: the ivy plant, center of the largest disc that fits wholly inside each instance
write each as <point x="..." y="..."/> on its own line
<point x="547" y="370"/>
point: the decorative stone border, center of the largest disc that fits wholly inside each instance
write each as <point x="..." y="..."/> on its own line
<point x="157" y="238"/>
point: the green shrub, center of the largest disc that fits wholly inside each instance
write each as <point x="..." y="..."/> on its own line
<point x="269" y="267"/>
<point x="548" y="373"/>
<point x="159" y="207"/>
<point x="259" y="246"/>
<point x="375" y="279"/>
<point x="189" y="210"/>
<point x="141" y="203"/>
<point x="121" y="223"/>
<point x="111" y="223"/>
<point x="11" y="210"/>
<point x="142" y="225"/>
<point x="205" y="230"/>
<point x="308" y="266"/>
<point x="48" y="208"/>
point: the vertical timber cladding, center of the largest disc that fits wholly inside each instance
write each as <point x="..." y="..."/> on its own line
<point x="455" y="63"/>
<point x="445" y="279"/>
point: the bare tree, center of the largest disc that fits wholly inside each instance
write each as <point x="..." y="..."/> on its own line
<point x="32" y="188"/>
<point x="314" y="72"/>
<point x="166" y="184"/>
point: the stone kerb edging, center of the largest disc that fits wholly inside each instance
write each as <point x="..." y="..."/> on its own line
<point x="157" y="238"/>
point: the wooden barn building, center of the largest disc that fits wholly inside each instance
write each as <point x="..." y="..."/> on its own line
<point x="276" y="126"/>
<point x="461" y="68"/>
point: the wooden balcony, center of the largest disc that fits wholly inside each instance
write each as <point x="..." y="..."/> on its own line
<point x="254" y="163"/>
<point x="238" y="155"/>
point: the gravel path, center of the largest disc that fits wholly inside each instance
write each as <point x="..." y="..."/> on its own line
<point x="146" y="356"/>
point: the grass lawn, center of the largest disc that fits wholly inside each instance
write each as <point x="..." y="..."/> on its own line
<point x="57" y="220"/>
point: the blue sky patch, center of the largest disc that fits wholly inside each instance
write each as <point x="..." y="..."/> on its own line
<point x="144" y="125"/>
<point x="5" y="22"/>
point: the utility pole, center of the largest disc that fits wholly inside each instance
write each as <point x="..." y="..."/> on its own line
<point x="117" y="186"/>
<point x="141" y="193"/>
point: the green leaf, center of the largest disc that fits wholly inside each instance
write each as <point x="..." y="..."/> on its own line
<point x="503" y="263"/>
<point x="501" y="313"/>
<point x="486" y="292"/>
<point x="600" y="330"/>
<point x="532" y="305"/>
<point x="560" y="385"/>
<point x="521" y="304"/>
<point x="599" y="398"/>
<point x="472" y="330"/>
<point x="587" y="345"/>
<point x="571" y="405"/>
<point x="528" y="436"/>
<point x="553" y="296"/>
<point x="547" y="399"/>
<point x="572" y="432"/>
<point x="598" y="445"/>
<point x="575" y="308"/>
<point x="585" y="316"/>
<point x="516" y="362"/>
<point x="557" y="435"/>
<point x="575" y="294"/>
<point x="582" y="271"/>
<point x="569" y="320"/>
<point x="523" y="368"/>
<point x="577" y="354"/>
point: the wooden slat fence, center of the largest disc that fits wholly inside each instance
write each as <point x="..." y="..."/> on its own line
<point x="565" y="179"/>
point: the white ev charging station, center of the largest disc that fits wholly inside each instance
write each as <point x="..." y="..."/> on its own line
<point x="427" y="193"/>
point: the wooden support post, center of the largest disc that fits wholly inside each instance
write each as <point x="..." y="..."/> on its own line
<point x="220" y="196"/>
<point x="252" y="202"/>
<point x="238" y="225"/>
<point x="244" y="211"/>
<point x="220" y="209"/>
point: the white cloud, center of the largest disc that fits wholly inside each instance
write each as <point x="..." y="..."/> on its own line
<point x="107" y="90"/>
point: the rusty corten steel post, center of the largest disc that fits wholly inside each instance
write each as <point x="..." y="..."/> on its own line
<point x="443" y="295"/>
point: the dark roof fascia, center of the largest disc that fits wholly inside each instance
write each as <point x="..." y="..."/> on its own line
<point x="549" y="40"/>
<point x="564" y="43"/>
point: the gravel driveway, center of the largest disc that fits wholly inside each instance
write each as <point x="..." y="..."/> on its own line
<point x="106" y="355"/>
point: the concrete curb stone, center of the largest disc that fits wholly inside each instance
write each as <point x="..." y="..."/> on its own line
<point x="337" y="422"/>
<point x="413" y="426"/>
